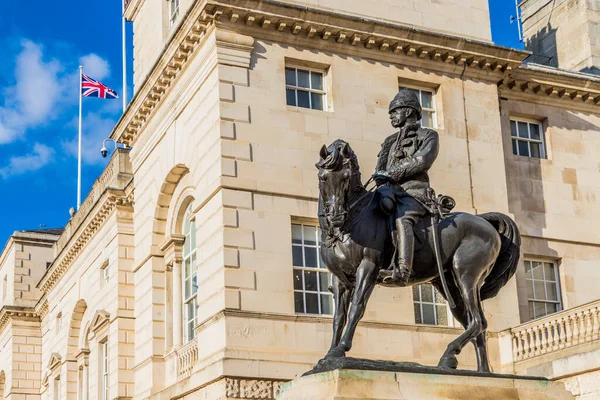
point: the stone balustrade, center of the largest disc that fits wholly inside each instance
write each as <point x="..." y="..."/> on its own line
<point x="556" y="331"/>
<point x="187" y="356"/>
<point x="117" y="173"/>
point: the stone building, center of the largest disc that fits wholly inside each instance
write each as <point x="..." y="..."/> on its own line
<point x="191" y="269"/>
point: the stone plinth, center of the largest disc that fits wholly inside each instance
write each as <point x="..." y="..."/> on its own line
<point x="380" y="385"/>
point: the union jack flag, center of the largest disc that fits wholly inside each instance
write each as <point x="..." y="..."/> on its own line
<point x="92" y="88"/>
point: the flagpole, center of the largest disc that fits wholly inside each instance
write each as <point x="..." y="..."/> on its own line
<point x="79" y="146"/>
<point x="123" y="32"/>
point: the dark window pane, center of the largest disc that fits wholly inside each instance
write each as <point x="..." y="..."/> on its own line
<point x="439" y="298"/>
<point x="514" y="146"/>
<point x="549" y="272"/>
<point x="297" y="256"/>
<point x="296" y="234"/>
<point x="523" y="149"/>
<point x="529" y="289"/>
<point x="513" y="129"/>
<point x="310" y="235"/>
<point x="418" y="319"/>
<point x="427" y="119"/>
<point x="551" y="291"/>
<point x="428" y="316"/>
<point x="535" y="150"/>
<point x="528" y="268"/>
<point x="299" y="302"/>
<point x="195" y="283"/>
<point x="290" y="97"/>
<point x="316" y="79"/>
<point x="316" y="101"/>
<point x="551" y="308"/>
<point x="312" y="303"/>
<point x="536" y="267"/>
<point x="442" y="315"/>
<point x="523" y="132"/>
<point x="427" y="293"/>
<point x="324" y="281"/>
<point x="534" y="130"/>
<point x="303" y="100"/>
<point x="297" y="279"/>
<point x="415" y="290"/>
<point x="539" y="291"/>
<point x="310" y="281"/>
<point x="290" y="76"/>
<point x="326" y="304"/>
<point x="310" y="257"/>
<point x="531" y="313"/>
<point x="303" y="79"/>
<point x="539" y="309"/>
<point x="426" y="99"/>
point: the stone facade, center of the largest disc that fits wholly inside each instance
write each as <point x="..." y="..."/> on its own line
<point x="563" y="33"/>
<point x="219" y="159"/>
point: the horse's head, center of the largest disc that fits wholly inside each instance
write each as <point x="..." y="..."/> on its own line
<point x="339" y="177"/>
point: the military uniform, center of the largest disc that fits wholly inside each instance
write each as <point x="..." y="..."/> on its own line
<point x="406" y="157"/>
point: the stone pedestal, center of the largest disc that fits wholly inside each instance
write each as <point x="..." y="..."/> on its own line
<point x="381" y="385"/>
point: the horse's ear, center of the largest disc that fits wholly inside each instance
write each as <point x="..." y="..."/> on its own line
<point x="323" y="152"/>
<point x="346" y="150"/>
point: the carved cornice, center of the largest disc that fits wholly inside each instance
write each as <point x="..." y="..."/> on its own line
<point x="286" y="22"/>
<point x="531" y="81"/>
<point x="54" y="361"/>
<point x="9" y="313"/>
<point x="239" y="388"/>
<point x="99" y="320"/>
<point x="172" y="249"/>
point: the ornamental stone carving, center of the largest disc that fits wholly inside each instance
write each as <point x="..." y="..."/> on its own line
<point x="252" y="388"/>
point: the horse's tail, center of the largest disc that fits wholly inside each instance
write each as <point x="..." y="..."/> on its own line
<point x="508" y="258"/>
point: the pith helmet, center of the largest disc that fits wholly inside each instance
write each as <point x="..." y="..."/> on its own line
<point x="406" y="98"/>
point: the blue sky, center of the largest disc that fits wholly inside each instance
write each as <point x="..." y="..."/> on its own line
<point x="40" y="55"/>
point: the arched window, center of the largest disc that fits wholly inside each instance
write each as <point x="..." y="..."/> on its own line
<point x="190" y="278"/>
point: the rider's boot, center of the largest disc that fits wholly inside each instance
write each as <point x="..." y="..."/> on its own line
<point x="406" y="245"/>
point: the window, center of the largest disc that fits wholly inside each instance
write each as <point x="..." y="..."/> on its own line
<point x="106" y="273"/>
<point x="543" y="290"/>
<point x="4" y="287"/>
<point x="173" y="12"/>
<point x="104" y="369"/>
<point x="305" y="88"/>
<point x="311" y="278"/>
<point x="426" y="97"/>
<point x="190" y="276"/>
<point x="430" y="307"/>
<point x="58" y="322"/>
<point x="527" y="138"/>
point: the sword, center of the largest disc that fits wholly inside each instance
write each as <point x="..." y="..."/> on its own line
<point x="435" y="220"/>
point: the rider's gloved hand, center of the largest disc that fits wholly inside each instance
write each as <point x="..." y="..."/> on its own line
<point x="381" y="177"/>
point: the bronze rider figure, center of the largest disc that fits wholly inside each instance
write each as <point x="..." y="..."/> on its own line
<point x="402" y="178"/>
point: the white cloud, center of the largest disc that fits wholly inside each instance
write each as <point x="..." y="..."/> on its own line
<point x="95" y="67"/>
<point x="95" y="128"/>
<point x="37" y="159"/>
<point x="44" y="90"/>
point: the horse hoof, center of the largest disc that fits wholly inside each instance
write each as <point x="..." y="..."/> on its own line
<point x="335" y="353"/>
<point x="449" y="362"/>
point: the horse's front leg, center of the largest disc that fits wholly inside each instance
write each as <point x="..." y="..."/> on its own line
<point x="341" y="298"/>
<point x="366" y="277"/>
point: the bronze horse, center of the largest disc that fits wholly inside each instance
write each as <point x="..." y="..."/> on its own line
<point x="479" y="254"/>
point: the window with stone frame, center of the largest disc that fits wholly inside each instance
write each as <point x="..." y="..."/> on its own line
<point x="430" y="307"/>
<point x="543" y="288"/>
<point x="306" y="88"/>
<point x="173" y="12"/>
<point x="190" y="276"/>
<point x="527" y="138"/>
<point x="427" y="99"/>
<point x="311" y="277"/>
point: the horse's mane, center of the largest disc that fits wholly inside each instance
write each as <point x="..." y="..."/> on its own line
<point x="338" y="154"/>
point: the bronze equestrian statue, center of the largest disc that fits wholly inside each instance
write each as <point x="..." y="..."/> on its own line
<point x="478" y="254"/>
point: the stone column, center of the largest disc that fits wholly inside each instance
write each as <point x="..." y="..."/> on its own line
<point x="177" y="306"/>
<point x="172" y="249"/>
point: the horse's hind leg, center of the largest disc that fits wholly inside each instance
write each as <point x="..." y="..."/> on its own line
<point x="480" y="343"/>
<point x="469" y="278"/>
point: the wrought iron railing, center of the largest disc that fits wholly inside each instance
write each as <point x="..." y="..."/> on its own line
<point x="556" y="331"/>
